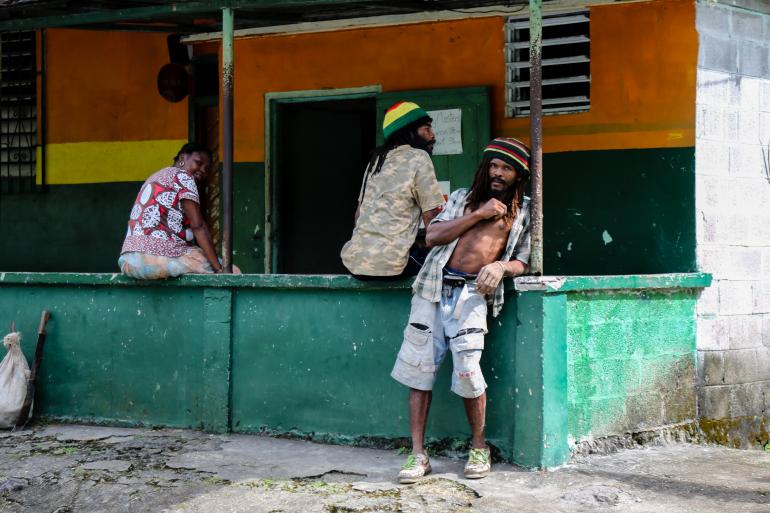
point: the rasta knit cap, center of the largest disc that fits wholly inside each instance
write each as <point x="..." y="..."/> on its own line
<point x="511" y="151"/>
<point x="400" y="115"/>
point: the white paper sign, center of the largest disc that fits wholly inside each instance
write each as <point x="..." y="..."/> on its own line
<point x="447" y="126"/>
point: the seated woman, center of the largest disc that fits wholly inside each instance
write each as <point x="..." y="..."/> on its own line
<point x="166" y="219"/>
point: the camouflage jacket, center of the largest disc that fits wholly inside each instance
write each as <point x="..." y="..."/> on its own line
<point x="391" y="203"/>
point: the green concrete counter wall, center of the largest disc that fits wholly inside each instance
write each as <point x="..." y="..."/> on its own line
<point x="312" y="355"/>
<point x="607" y="355"/>
<point x="630" y="360"/>
<point x="318" y="362"/>
<point x="274" y="353"/>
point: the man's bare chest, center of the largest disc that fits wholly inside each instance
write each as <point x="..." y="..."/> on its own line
<point x="491" y="231"/>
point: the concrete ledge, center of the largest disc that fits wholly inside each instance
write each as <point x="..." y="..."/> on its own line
<point x="558" y="284"/>
<point x="343" y="281"/>
<point x="273" y="281"/>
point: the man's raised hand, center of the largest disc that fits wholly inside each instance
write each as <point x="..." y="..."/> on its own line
<point x="492" y="208"/>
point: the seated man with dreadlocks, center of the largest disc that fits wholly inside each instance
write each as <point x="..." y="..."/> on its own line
<point x="481" y="236"/>
<point x="399" y="187"/>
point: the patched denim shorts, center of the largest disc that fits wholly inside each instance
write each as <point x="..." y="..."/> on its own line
<point x="457" y="323"/>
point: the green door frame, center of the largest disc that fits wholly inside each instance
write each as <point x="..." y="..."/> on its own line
<point x="272" y="100"/>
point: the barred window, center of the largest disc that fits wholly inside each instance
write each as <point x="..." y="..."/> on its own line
<point x="566" y="61"/>
<point x="18" y="111"/>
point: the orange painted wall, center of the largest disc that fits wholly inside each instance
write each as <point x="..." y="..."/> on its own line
<point x="102" y="87"/>
<point x="643" y="59"/>
<point x="643" y="63"/>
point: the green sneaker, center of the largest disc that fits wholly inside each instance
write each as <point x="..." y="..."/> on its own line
<point x="479" y="464"/>
<point x="416" y="466"/>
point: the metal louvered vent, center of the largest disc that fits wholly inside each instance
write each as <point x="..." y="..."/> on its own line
<point x="566" y="61"/>
<point x="18" y="111"/>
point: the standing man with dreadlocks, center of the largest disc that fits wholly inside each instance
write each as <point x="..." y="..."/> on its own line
<point x="399" y="187"/>
<point x="480" y="237"/>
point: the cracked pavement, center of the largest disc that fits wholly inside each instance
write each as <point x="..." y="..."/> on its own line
<point x="74" y="469"/>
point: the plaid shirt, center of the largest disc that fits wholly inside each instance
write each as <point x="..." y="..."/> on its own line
<point x="428" y="281"/>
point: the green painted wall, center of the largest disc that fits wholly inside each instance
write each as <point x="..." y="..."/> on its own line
<point x="644" y="199"/>
<point x="67" y="228"/>
<point x="631" y="360"/>
<point x="115" y="354"/>
<point x="319" y="361"/>
<point x="80" y="228"/>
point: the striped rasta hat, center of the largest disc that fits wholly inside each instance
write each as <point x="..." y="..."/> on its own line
<point x="511" y="151"/>
<point x="399" y="115"/>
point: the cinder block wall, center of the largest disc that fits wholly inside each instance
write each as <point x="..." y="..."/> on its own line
<point x="733" y="220"/>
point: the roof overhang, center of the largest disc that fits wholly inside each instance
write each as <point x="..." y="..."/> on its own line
<point x="205" y="15"/>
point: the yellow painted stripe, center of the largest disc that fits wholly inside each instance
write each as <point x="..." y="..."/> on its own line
<point x="100" y="162"/>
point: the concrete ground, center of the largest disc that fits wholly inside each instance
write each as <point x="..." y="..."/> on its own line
<point x="74" y="469"/>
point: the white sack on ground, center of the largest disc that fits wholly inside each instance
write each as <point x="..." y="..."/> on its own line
<point x="14" y="373"/>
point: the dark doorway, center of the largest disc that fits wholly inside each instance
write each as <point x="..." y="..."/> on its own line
<point x="321" y="150"/>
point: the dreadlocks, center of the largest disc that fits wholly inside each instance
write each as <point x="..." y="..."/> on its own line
<point x="407" y="135"/>
<point x="479" y="192"/>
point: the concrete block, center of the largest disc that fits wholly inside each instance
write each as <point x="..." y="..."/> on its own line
<point x="708" y="301"/>
<point x="711" y="367"/>
<point x="748" y="125"/>
<point x="745" y="332"/>
<point x="731" y="124"/>
<point x="643" y="411"/>
<point x="733" y="229"/>
<point x="761" y="292"/>
<point x="746" y="365"/>
<point x="747" y="25"/>
<point x="712" y="334"/>
<point x="711" y="260"/>
<point x="765" y="267"/>
<point x="750" y="399"/>
<point x="766" y="330"/>
<point x="710" y="123"/>
<point x="712" y="18"/>
<point x="718" y="53"/>
<point x="743" y="195"/>
<point x="705" y="227"/>
<point x="714" y="401"/>
<point x="713" y="88"/>
<point x="760" y="231"/>
<point x="735" y="297"/>
<point x="764" y="96"/>
<point x="747" y="89"/>
<point x="753" y="59"/>
<point x="747" y="160"/>
<point x="764" y="129"/>
<point x="742" y="263"/>
<point x="681" y="406"/>
<point x="712" y="158"/>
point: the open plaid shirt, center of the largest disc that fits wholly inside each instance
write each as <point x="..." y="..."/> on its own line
<point x="428" y="281"/>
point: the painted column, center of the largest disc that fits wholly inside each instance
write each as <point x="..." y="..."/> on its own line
<point x="217" y="350"/>
<point x="540" y="424"/>
<point x="536" y="132"/>
<point x="227" y="139"/>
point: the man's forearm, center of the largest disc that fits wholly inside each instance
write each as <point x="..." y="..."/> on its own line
<point x="445" y="232"/>
<point x="515" y="268"/>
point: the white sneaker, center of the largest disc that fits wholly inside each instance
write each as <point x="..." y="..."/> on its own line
<point x="479" y="463"/>
<point x="416" y="466"/>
